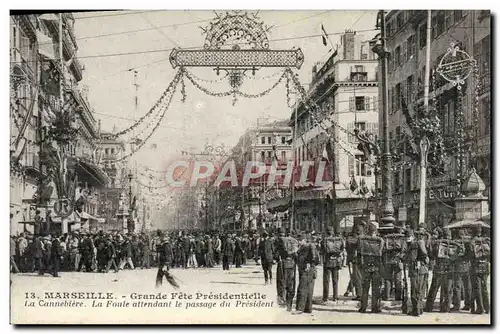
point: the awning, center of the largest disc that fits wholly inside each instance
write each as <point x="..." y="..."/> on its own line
<point x="467" y="223"/>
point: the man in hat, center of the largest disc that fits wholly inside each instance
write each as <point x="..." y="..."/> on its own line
<point x="369" y="254"/>
<point x="307" y="259"/>
<point x="417" y="260"/>
<point x="287" y="252"/>
<point x="110" y="252"/>
<point x="461" y="279"/>
<point x="266" y="252"/>
<point x="227" y="251"/>
<point x="355" y="278"/>
<point x="442" y="277"/>
<point x="56" y="256"/>
<point x="165" y="256"/>
<point x="331" y="248"/>
<point x="480" y="257"/>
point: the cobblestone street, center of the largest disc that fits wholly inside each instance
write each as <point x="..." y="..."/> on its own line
<point x="248" y="279"/>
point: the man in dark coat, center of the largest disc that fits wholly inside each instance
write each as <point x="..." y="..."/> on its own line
<point x="227" y="252"/>
<point x="266" y="252"/>
<point x="56" y="256"/>
<point x="110" y="255"/>
<point x="165" y="257"/>
<point x="307" y="259"/>
<point x="86" y="249"/>
<point x="38" y="255"/>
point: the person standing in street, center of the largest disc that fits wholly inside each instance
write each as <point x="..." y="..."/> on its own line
<point x="287" y="254"/>
<point x="392" y="265"/>
<point x="355" y="279"/>
<point x="461" y="279"/>
<point x="332" y="248"/>
<point x="442" y="277"/>
<point x="38" y="255"/>
<point x="227" y="252"/>
<point x="417" y="259"/>
<point x="307" y="259"/>
<point x="217" y="245"/>
<point x="369" y="251"/>
<point x="14" y="268"/>
<point x="126" y="254"/>
<point x="266" y="252"/>
<point x="480" y="257"/>
<point x="209" y="261"/>
<point x="165" y="257"/>
<point x="56" y="256"/>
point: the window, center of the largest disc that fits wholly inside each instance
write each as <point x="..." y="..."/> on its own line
<point x="434" y="27"/>
<point x="14" y="37"/>
<point x="404" y="56"/>
<point x="350" y="164"/>
<point x="360" y="125"/>
<point x="484" y="116"/>
<point x="364" y="55"/>
<point x="269" y="140"/>
<point x="262" y="156"/>
<point x="397" y="57"/>
<point x="283" y="140"/>
<point x="422" y="35"/>
<point x="400" y="20"/>
<point x="440" y="22"/>
<point x="262" y="140"/>
<point x="360" y="103"/>
<point x="359" y="68"/>
<point x="397" y="97"/>
<point x="457" y="15"/>
<point x="448" y="19"/>
<point x="411" y="47"/>
<point x="269" y="154"/>
<point x="112" y="151"/>
<point x="361" y="166"/>
<point x="409" y="89"/>
<point x="407" y="180"/>
<point x="106" y="151"/>
<point x="283" y="156"/>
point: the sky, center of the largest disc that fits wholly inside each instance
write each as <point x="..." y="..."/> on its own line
<point x="201" y="119"/>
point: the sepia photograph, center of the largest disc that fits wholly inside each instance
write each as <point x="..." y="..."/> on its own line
<point x="256" y="167"/>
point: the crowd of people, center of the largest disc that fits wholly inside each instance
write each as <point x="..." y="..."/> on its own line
<point x="377" y="260"/>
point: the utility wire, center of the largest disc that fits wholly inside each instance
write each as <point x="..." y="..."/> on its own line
<point x="118" y="14"/>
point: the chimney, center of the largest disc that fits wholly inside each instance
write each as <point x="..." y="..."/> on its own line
<point x="348" y="41"/>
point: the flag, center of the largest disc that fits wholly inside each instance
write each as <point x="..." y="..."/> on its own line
<point x="45" y="45"/>
<point x="49" y="17"/>
<point x="325" y="35"/>
<point x="353" y="185"/>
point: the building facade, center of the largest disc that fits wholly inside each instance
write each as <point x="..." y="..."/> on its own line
<point x="42" y="89"/>
<point x="345" y="90"/>
<point x="406" y="42"/>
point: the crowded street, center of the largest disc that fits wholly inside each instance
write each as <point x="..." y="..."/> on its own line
<point x="251" y="167"/>
<point x="249" y="278"/>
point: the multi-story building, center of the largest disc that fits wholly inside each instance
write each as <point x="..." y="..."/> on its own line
<point x="245" y="208"/>
<point x="113" y="199"/>
<point x="345" y="88"/>
<point x="406" y="42"/>
<point x="36" y="43"/>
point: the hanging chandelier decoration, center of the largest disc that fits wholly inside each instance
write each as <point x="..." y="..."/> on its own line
<point x="235" y="42"/>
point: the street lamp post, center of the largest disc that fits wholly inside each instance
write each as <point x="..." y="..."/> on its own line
<point x="387" y="219"/>
<point x="130" y="210"/>
<point x="424" y="150"/>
